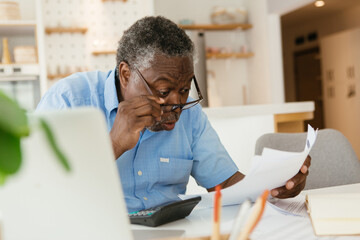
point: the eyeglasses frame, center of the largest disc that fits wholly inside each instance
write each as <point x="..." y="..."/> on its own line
<point x="174" y="106"/>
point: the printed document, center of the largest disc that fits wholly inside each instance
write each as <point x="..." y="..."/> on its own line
<point x="270" y="170"/>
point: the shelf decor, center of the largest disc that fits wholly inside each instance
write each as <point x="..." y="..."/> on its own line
<point x="6" y="53"/>
<point x="58" y="76"/>
<point x="25" y="54"/>
<point x="228" y="55"/>
<point x="216" y="27"/>
<point x="9" y="10"/>
<point x="105" y="52"/>
<point x="65" y="30"/>
<point x="114" y="0"/>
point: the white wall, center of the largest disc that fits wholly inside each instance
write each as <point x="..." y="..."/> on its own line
<point x="198" y="10"/>
<point x="284" y="6"/>
<point x="27" y="9"/>
<point x="344" y="20"/>
<point x="265" y="68"/>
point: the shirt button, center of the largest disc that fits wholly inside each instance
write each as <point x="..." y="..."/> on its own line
<point x="145" y="198"/>
<point x="139" y="173"/>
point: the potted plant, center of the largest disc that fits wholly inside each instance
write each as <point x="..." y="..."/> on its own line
<point x="14" y="125"/>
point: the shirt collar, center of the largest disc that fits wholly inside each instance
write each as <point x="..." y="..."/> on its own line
<point x="110" y="95"/>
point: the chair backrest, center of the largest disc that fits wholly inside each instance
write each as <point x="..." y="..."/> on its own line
<point x="333" y="160"/>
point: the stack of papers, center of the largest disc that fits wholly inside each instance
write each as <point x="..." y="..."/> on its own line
<point x="334" y="214"/>
<point x="270" y="170"/>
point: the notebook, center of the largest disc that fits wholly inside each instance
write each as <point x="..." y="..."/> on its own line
<point x="334" y="214"/>
<point x="44" y="202"/>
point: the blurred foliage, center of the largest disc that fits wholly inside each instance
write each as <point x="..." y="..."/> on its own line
<point x="14" y="126"/>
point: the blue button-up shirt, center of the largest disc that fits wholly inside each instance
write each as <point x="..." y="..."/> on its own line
<point x="157" y="169"/>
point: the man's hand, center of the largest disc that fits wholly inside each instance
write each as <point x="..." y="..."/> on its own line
<point x="295" y="185"/>
<point x="132" y="117"/>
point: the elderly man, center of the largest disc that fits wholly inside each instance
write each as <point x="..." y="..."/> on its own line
<point x="160" y="136"/>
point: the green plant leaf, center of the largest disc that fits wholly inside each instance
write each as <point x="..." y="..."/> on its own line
<point x="2" y="178"/>
<point x="51" y="139"/>
<point x="10" y="153"/>
<point x="12" y="118"/>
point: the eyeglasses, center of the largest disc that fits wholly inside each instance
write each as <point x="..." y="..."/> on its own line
<point x="174" y="106"/>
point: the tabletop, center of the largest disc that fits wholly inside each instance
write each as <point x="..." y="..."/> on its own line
<point x="273" y="225"/>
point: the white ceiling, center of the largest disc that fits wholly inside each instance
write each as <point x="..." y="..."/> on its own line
<point x="311" y="12"/>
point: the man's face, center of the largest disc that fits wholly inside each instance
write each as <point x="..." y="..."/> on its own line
<point x="169" y="79"/>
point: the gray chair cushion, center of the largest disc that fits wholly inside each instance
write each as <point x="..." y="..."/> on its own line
<point x="333" y="160"/>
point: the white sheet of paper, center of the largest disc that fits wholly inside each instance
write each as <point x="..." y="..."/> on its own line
<point x="270" y="170"/>
<point x="290" y="206"/>
<point x="274" y="225"/>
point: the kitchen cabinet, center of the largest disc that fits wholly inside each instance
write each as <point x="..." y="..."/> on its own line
<point x="340" y="54"/>
<point x="24" y="81"/>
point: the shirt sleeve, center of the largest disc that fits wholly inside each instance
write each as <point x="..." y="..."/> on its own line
<point x="52" y="101"/>
<point x="59" y="96"/>
<point x="212" y="163"/>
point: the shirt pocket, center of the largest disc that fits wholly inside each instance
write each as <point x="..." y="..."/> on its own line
<point x="174" y="170"/>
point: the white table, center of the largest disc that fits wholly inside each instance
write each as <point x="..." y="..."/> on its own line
<point x="279" y="227"/>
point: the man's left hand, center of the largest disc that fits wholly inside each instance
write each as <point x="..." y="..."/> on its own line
<point x="295" y="185"/>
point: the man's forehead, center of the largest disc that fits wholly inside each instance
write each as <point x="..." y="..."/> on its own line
<point x="173" y="65"/>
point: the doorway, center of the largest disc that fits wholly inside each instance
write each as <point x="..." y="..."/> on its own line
<point x="308" y="83"/>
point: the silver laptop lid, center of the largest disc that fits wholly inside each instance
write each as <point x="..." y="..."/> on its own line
<point x="43" y="201"/>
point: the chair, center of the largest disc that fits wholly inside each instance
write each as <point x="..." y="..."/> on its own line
<point x="333" y="160"/>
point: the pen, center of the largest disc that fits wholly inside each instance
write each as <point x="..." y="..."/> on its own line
<point x="217" y="213"/>
<point x="240" y="220"/>
<point x="255" y="216"/>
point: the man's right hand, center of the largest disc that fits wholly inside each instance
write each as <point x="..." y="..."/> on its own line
<point x="132" y="117"/>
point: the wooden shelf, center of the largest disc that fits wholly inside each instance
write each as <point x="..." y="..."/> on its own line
<point x="19" y="64"/>
<point x="58" y="76"/>
<point x="228" y="55"/>
<point x="97" y="53"/>
<point x="216" y="27"/>
<point x="291" y="122"/>
<point x="17" y="27"/>
<point x="16" y="78"/>
<point x="65" y="30"/>
<point x="208" y="55"/>
<point x="19" y="69"/>
<point x="17" y="22"/>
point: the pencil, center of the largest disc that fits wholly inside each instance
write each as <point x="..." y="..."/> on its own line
<point x="240" y="220"/>
<point x="217" y="214"/>
<point x="255" y="216"/>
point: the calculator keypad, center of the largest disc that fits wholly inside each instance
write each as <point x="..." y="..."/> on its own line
<point x="142" y="213"/>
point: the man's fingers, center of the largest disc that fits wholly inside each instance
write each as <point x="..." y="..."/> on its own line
<point x="278" y="191"/>
<point x="306" y="165"/>
<point x="141" y="106"/>
<point x="296" y="180"/>
<point x="149" y="110"/>
<point x="282" y="192"/>
<point x="141" y="122"/>
<point x="143" y="100"/>
<point x="156" y="99"/>
<point x="292" y="187"/>
<point x="159" y="100"/>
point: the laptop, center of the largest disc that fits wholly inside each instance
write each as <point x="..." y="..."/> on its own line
<point x="45" y="202"/>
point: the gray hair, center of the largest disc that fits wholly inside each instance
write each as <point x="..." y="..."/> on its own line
<point x="152" y="36"/>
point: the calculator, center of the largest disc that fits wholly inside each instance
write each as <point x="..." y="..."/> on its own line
<point x="166" y="213"/>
